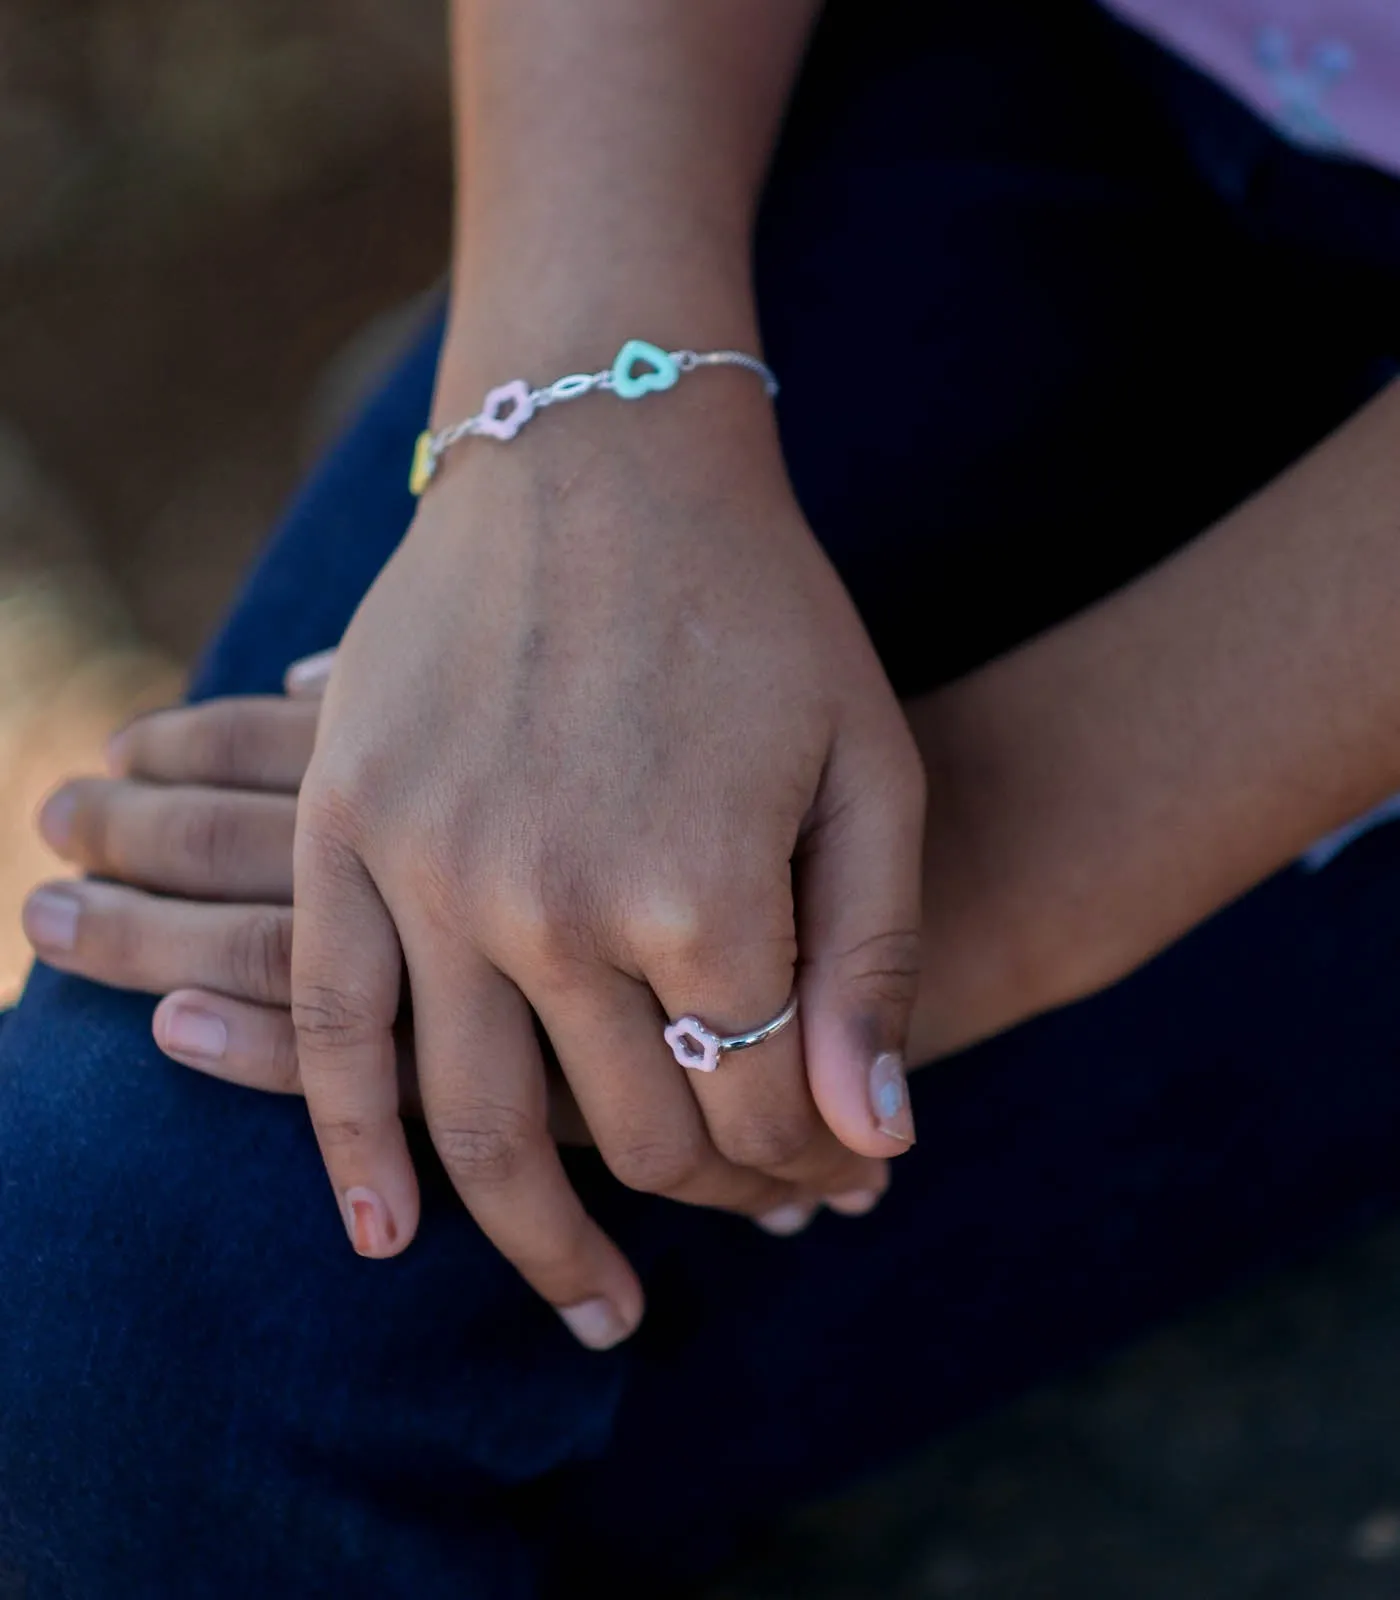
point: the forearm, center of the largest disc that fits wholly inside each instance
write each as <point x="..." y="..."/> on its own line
<point x="1107" y="786"/>
<point x="610" y="156"/>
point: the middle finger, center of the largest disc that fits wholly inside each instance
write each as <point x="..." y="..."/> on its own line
<point x="212" y="843"/>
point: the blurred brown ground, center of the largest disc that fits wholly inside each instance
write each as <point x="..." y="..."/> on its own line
<point x="202" y="208"/>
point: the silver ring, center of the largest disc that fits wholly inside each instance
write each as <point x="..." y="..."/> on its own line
<point x="700" y="1048"/>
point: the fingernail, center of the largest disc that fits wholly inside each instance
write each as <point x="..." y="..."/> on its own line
<point x="50" y="919"/>
<point x="310" y="673"/>
<point x="595" y="1323"/>
<point x="372" y="1230"/>
<point x="787" y="1220"/>
<point x="889" y="1097"/>
<point x="854" y="1203"/>
<point x="189" y="1032"/>
<point x="56" y="817"/>
<point x="114" y="752"/>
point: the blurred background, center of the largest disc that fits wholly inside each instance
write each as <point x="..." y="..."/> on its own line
<point x="217" y="223"/>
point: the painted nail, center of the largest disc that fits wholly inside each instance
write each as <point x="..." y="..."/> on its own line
<point x="854" y="1203"/>
<point x="191" y="1032"/>
<point x="889" y="1097"/>
<point x="787" y="1219"/>
<point x="50" y="919"/>
<point x="595" y="1323"/>
<point x="311" y="674"/>
<point x="371" y="1228"/>
<point x="56" y="818"/>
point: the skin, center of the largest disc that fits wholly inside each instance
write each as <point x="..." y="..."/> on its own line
<point x="534" y="783"/>
<point x="607" y="741"/>
<point x="1095" y="793"/>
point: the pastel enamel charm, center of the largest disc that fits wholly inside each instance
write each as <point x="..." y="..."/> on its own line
<point x="516" y="395"/>
<point x="640" y="368"/>
<point x="693" y="1045"/>
<point x="660" y="371"/>
<point x="424" y="464"/>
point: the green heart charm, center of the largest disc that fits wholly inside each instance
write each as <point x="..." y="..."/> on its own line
<point x="660" y="371"/>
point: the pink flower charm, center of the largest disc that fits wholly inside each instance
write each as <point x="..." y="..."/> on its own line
<point x="693" y="1045"/>
<point x="516" y="395"/>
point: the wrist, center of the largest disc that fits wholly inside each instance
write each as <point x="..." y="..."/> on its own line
<point x="709" y="406"/>
<point x="541" y="328"/>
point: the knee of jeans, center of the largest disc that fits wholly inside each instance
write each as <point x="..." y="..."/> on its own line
<point x="180" y="1297"/>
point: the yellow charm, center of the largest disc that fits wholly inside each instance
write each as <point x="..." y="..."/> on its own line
<point x="424" y="465"/>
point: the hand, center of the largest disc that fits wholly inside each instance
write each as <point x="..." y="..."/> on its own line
<point x="200" y="808"/>
<point x="607" y="741"/>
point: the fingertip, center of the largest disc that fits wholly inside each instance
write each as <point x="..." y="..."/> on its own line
<point x="55" y="817"/>
<point x="597" y="1324"/>
<point x="601" y="1321"/>
<point x="307" y="679"/>
<point x="793" y="1217"/>
<point x="861" y="1094"/>
<point x="377" y="1228"/>
<point x="49" y="918"/>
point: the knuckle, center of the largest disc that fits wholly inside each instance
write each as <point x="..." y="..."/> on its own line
<point x="552" y="924"/>
<point x="673" y="928"/>
<point x="885" y="968"/>
<point x="719" y="936"/>
<point x="258" y="957"/>
<point x="340" y="1133"/>
<point x="223" y="743"/>
<point x="284" y="1070"/>
<point x="486" y="1146"/>
<point x="655" y="1165"/>
<point x="437" y="880"/>
<point x="327" y="1019"/>
<point x="906" y="786"/>
<point x="210" y="838"/>
<point x="331" y="816"/>
<point x="768" y="1142"/>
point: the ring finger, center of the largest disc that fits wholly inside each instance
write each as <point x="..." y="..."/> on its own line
<point x="606" y="1031"/>
<point x="757" y="1103"/>
<point x="132" y="940"/>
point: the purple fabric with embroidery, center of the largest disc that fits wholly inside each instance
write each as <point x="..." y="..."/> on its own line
<point x="1325" y="73"/>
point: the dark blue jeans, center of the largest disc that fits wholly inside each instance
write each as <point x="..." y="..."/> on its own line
<point x="1044" y="304"/>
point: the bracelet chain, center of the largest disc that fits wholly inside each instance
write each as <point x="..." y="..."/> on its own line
<point x="573" y="386"/>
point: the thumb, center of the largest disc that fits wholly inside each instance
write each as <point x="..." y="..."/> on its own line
<point x="857" y="890"/>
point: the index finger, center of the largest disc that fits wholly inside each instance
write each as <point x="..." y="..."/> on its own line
<point x="345" y="992"/>
<point x="251" y="742"/>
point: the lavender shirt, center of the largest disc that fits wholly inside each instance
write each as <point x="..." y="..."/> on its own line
<point x="1325" y="73"/>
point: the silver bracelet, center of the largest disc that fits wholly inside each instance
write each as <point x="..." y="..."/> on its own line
<point x="640" y="368"/>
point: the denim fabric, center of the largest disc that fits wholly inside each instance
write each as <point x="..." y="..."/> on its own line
<point x="1044" y="303"/>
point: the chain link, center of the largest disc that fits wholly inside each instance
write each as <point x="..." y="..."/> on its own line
<point x="574" y="385"/>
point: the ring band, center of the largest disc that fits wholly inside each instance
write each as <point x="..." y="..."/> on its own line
<point x="700" y="1048"/>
